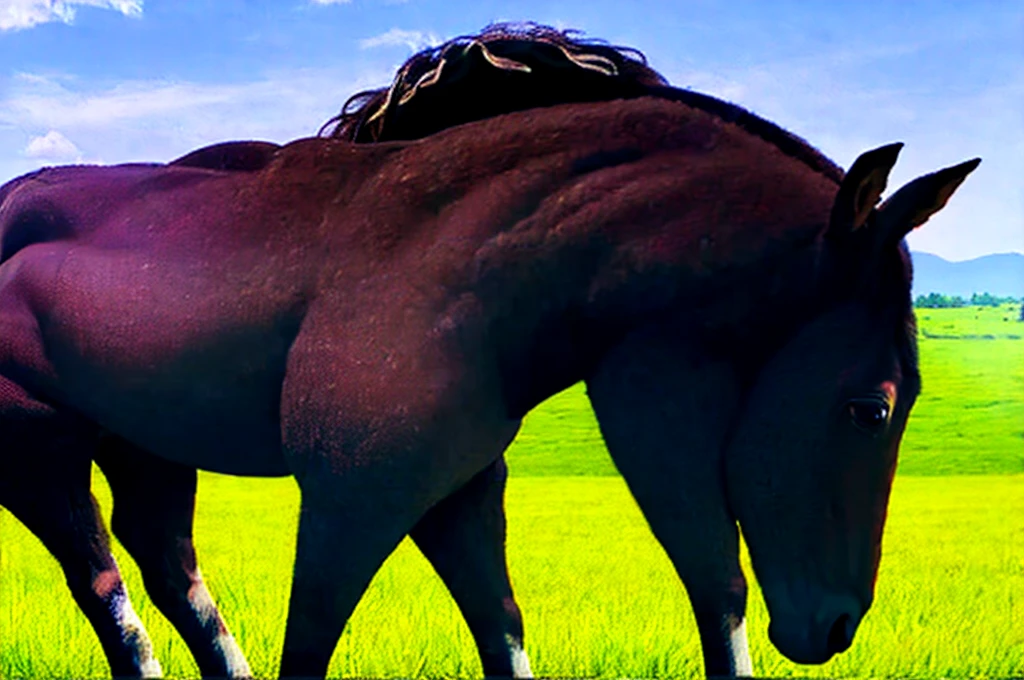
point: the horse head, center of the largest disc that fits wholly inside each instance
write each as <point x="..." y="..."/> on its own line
<point x="810" y="464"/>
<point x="791" y="432"/>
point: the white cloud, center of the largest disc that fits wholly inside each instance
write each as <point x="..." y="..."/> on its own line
<point x="19" y="14"/>
<point x="53" y="146"/>
<point x="414" y="40"/>
<point x="46" y="102"/>
<point x="158" y="121"/>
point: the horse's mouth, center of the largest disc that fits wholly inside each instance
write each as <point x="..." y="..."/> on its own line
<point x="797" y="648"/>
<point x="817" y="642"/>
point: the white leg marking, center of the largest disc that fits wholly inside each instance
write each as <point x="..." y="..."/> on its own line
<point x="238" y="667"/>
<point x="223" y="641"/>
<point x="132" y="631"/>
<point x="740" y="652"/>
<point x="520" y="662"/>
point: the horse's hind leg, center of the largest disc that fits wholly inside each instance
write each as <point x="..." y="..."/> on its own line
<point x="463" y="536"/>
<point x="45" y="465"/>
<point x="154" y="504"/>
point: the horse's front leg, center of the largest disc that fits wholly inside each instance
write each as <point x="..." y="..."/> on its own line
<point x="378" y="425"/>
<point x="347" y="528"/>
<point x="664" y="420"/>
<point x="154" y="508"/>
<point x="363" y="489"/>
<point x="463" y="536"/>
<point x="355" y="510"/>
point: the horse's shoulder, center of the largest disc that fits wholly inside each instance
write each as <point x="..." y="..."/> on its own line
<point x="231" y="156"/>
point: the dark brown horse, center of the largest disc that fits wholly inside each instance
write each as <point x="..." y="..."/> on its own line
<point x="374" y="312"/>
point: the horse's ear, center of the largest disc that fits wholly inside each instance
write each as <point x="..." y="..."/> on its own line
<point x="914" y="203"/>
<point x="861" y="189"/>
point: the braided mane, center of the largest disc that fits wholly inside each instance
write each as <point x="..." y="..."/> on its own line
<point x="506" y="67"/>
<point x="512" y="67"/>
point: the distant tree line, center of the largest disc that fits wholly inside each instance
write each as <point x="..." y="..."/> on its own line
<point x="940" y="301"/>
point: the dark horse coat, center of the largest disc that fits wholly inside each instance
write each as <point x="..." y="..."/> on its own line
<point x="376" y="318"/>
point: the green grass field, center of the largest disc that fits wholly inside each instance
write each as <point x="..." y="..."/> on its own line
<point x="598" y="595"/>
<point x="969" y="418"/>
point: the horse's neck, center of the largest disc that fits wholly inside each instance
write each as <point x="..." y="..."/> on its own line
<point x="574" y="224"/>
<point x="609" y="254"/>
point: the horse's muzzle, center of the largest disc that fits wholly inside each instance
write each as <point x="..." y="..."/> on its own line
<point x="829" y="632"/>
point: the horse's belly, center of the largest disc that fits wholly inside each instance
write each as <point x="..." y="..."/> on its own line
<point x="224" y="419"/>
<point x="238" y="438"/>
<point x="186" y="366"/>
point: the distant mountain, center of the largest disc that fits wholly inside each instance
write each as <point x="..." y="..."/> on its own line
<point x="1001" y="275"/>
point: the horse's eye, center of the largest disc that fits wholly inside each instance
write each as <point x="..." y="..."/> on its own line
<point x="868" y="414"/>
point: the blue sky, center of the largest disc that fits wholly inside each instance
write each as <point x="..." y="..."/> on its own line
<point x="109" y="81"/>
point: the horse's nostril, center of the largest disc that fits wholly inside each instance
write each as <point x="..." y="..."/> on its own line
<point x="840" y="637"/>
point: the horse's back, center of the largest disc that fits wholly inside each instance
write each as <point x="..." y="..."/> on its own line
<point x="230" y="156"/>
